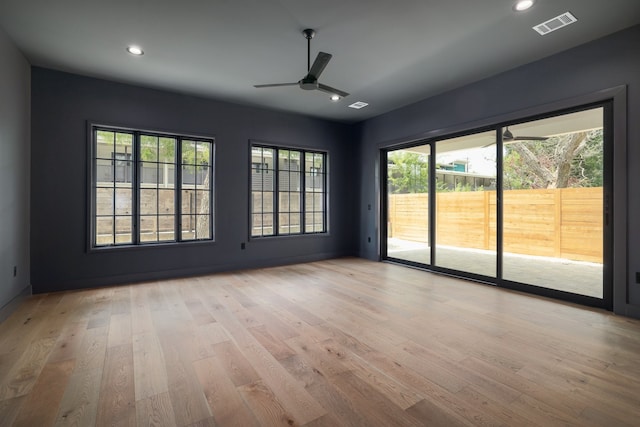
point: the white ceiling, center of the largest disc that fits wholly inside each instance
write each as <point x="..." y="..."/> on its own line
<point x="386" y="53"/>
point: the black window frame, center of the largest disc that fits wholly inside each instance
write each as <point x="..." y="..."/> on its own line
<point x="136" y="163"/>
<point x="276" y="171"/>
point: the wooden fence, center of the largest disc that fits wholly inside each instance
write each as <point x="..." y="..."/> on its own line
<point x="560" y="223"/>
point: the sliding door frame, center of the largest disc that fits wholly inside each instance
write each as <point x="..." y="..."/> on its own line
<point x="607" y="233"/>
<point x="384" y="203"/>
<point x="614" y="147"/>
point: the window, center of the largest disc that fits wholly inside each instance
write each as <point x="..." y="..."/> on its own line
<point x="149" y="188"/>
<point x="288" y="191"/>
<point x="257" y="166"/>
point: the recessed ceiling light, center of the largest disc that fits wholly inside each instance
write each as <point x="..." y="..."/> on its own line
<point x="358" y="105"/>
<point x="523" y="5"/>
<point x="335" y="98"/>
<point x="135" y="50"/>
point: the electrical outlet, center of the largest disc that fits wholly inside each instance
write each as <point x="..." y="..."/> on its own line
<point x="15" y="270"/>
<point x="637" y="276"/>
<point x="242" y="246"/>
<point x="369" y="239"/>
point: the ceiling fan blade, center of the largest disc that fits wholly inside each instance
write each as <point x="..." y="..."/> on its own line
<point x="318" y="65"/>
<point x="277" y="85"/>
<point x="508" y="136"/>
<point x="331" y="90"/>
<point x="530" y="138"/>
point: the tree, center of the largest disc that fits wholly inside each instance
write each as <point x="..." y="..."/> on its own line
<point x="570" y="160"/>
<point x="588" y="166"/>
<point x="407" y="172"/>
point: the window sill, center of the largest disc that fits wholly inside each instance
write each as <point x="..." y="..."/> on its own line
<point x="147" y="246"/>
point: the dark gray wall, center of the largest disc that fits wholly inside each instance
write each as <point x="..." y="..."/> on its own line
<point x="576" y="75"/>
<point x="14" y="171"/>
<point x="61" y="106"/>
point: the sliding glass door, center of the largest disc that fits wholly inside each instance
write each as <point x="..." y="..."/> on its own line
<point x="408" y="204"/>
<point x="465" y="173"/>
<point x="553" y="178"/>
<point x="521" y="206"/>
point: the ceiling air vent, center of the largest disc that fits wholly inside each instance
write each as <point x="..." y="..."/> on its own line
<point x="555" y="23"/>
<point x="358" y="105"/>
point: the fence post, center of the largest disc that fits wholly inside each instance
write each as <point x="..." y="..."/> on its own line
<point x="487" y="218"/>
<point x="391" y="214"/>
<point x="557" y="249"/>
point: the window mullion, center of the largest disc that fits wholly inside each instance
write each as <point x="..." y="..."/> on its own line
<point x="195" y="213"/>
<point x="211" y="196"/>
<point x="158" y="192"/>
<point x="94" y="184"/>
<point x="276" y="194"/>
<point x="135" y="189"/>
<point x="325" y="192"/>
<point x="303" y="192"/>
<point x="178" y="189"/>
<point x="274" y="178"/>
<point x="114" y="189"/>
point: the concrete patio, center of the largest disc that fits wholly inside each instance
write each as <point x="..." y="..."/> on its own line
<point x="579" y="277"/>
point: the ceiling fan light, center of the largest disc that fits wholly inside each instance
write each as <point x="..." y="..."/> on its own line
<point x="522" y="5"/>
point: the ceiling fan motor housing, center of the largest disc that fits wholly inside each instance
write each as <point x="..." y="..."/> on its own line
<point x="309" y="83"/>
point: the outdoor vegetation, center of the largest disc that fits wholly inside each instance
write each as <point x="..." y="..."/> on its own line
<point x="567" y="161"/>
<point x="552" y="196"/>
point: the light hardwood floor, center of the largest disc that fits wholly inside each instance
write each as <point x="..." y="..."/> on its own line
<point x="340" y="342"/>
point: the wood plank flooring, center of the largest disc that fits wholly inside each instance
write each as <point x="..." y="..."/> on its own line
<point x="344" y="342"/>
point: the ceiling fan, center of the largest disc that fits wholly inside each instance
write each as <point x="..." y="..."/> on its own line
<point x="310" y="81"/>
<point x="508" y="136"/>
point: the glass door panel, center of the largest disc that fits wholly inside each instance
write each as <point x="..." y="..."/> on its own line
<point x="408" y="204"/>
<point x="465" y="177"/>
<point x="553" y="203"/>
